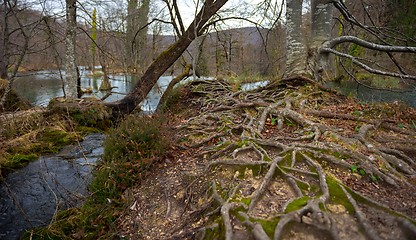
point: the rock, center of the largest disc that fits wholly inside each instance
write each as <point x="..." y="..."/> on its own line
<point x="336" y="208"/>
<point x="307" y="220"/>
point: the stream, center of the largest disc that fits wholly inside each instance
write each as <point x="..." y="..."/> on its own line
<point x="30" y="196"/>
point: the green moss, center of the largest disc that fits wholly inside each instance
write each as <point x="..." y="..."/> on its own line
<point x="84" y="130"/>
<point x="88" y="112"/>
<point x="269" y="225"/>
<point x="297" y="204"/>
<point x="18" y="160"/>
<point x="337" y="194"/>
<point x="52" y="139"/>
<point x="304" y="187"/>
<point x="216" y="232"/>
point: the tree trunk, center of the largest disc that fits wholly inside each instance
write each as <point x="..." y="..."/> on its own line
<point x="130" y="32"/>
<point x="142" y="35"/>
<point x="296" y="50"/>
<point x="71" y="78"/>
<point x="165" y="60"/>
<point x="4" y="41"/>
<point x="321" y="32"/>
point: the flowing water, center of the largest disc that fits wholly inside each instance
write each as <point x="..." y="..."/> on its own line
<point x="30" y="196"/>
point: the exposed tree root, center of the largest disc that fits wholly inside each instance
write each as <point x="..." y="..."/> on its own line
<point x="273" y="157"/>
<point x="297" y="155"/>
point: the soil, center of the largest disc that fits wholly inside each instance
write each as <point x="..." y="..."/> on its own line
<point x="210" y="189"/>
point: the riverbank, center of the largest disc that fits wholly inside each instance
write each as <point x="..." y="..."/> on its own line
<point x="25" y="135"/>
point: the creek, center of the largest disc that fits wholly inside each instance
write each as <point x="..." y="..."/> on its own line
<point x="30" y="196"/>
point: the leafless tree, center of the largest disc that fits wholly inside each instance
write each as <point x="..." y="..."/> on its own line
<point x="168" y="57"/>
<point x="71" y="85"/>
<point x="10" y="10"/>
<point x="313" y="61"/>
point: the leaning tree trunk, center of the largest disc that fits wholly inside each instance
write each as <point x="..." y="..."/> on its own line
<point x="70" y="86"/>
<point x="165" y="60"/>
<point x="296" y="50"/>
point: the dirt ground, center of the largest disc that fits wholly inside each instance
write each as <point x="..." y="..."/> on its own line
<point x="298" y="177"/>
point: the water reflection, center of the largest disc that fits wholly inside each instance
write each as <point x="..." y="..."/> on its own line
<point x="373" y="95"/>
<point x="41" y="86"/>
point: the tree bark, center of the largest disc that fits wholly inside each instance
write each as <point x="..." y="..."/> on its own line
<point x="142" y="35"/>
<point x="165" y="60"/>
<point x="321" y="32"/>
<point x="4" y="41"/>
<point x="130" y="31"/>
<point x="71" y="78"/>
<point x="296" y="50"/>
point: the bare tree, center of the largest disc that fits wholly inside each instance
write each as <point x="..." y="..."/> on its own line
<point x="71" y="78"/>
<point x="10" y="10"/>
<point x="136" y="34"/>
<point x="167" y="58"/>
<point x="321" y="45"/>
<point x="4" y="40"/>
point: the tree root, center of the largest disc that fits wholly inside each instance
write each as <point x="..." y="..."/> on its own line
<point x="306" y="154"/>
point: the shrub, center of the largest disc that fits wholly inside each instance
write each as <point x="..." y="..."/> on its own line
<point x="130" y="149"/>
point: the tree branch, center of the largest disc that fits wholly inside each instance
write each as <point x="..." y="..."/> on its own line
<point x="378" y="47"/>
<point x="366" y="67"/>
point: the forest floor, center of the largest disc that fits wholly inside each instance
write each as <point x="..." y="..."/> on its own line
<point x="289" y="161"/>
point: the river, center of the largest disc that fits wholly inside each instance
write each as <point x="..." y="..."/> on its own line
<point x="370" y="95"/>
<point x="41" y="86"/>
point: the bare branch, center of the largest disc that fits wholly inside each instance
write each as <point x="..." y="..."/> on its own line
<point x="378" y="47"/>
<point x="366" y="67"/>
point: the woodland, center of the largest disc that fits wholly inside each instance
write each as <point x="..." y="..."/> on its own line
<point x="293" y="159"/>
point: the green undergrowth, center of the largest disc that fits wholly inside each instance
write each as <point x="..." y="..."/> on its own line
<point x="130" y="150"/>
<point x="18" y="151"/>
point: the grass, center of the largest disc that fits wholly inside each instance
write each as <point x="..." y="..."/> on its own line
<point x="130" y="150"/>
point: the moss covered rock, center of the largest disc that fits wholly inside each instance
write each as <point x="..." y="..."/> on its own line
<point x="88" y="112"/>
